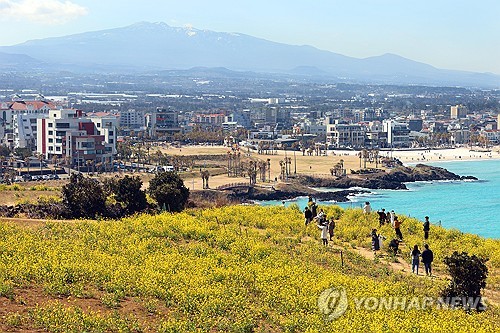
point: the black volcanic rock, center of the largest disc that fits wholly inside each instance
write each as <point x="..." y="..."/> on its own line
<point x="392" y="180"/>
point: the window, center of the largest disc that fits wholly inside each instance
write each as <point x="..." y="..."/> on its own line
<point x="51" y="125"/>
<point x="62" y="125"/>
<point x="51" y="148"/>
<point x="51" y="140"/>
<point x="111" y="141"/>
<point x="58" y="148"/>
<point x="51" y="132"/>
<point x="98" y="124"/>
<point x="110" y="133"/>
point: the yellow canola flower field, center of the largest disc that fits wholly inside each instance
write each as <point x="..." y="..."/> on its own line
<point x="230" y="269"/>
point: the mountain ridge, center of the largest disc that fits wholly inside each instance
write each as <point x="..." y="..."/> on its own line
<point x="145" y="46"/>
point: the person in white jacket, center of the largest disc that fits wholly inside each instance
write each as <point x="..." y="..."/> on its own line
<point x="367" y="209"/>
<point x="324" y="233"/>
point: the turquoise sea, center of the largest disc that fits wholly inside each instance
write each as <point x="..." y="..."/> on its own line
<point x="470" y="206"/>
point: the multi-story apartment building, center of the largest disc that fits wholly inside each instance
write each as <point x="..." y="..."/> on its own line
<point x="163" y="123"/>
<point x="458" y="111"/>
<point x="398" y="134"/>
<point x="24" y="131"/>
<point x="18" y="121"/>
<point x="132" y="119"/>
<point x="345" y="135"/>
<point x="67" y="134"/>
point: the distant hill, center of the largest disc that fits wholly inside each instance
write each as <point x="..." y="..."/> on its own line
<point x="157" y="46"/>
<point x="10" y="61"/>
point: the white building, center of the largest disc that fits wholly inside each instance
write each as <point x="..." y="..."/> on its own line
<point x="132" y="119"/>
<point x="345" y="135"/>
<point x="398" y="134"/>
<point x="24" y="132"/>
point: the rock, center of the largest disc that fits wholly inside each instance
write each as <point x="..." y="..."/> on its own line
<point x="393" y="180"/>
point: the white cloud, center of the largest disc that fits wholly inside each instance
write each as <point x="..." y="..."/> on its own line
<point x="41" y="11"/>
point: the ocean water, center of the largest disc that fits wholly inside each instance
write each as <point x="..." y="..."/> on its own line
<point x="470" y="206"/>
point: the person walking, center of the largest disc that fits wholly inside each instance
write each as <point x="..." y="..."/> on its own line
<point x="314" y="209"/>
<point x="415" y="256"/>
<point x="381" y="217"/>
<point x="390" y="217"/>
<point x="367" y="209"/>
<point x="427" y="227"/>
<point x="397" y="226"/>
<point x="375" y="240"/>
<point x="427" y="259"/>
<point x="331" y="228"/>
<point x="324" y="233"/>
<point x="307" y="215"/>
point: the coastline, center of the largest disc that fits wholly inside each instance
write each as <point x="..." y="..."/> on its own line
<point x="445" y="155"/>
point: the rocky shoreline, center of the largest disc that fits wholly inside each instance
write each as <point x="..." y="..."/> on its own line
<point x="299" y="186"/>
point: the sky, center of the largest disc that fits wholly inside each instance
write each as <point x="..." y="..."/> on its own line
<point x="448" y="34"/>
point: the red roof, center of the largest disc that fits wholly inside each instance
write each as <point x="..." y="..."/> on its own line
<point x="31" y="105"/>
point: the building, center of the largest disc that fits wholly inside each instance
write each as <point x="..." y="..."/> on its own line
<point x="68" y="135"/>
<point x="415" y="125"/>
<point x="345" y="135"/>
<point x="24" y="131"/>
<point x="240" y="117"/>
<point x="163" y="123"/>
<point x="18" y="121"/>
<point x="132" y="120"/>
<point x="458" y="111"/>
<point x="398" y="134"/>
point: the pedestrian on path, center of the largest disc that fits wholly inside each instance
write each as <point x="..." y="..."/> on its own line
<point x="427" y="227"/>
<point x="415" y="258"/>
<point x="427" y="259"/>
<point x="397" y="226"/>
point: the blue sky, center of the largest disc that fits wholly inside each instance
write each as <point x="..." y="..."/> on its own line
<point x="459" y="34"/>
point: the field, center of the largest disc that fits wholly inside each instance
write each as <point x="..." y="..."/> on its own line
<point x="231" y="269"/>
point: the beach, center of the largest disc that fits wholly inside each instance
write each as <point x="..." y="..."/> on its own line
<point x="321" y="165"/>
<point x="452" y="154"/>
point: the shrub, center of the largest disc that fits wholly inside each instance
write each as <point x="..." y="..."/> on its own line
<point x="169" y="192"/>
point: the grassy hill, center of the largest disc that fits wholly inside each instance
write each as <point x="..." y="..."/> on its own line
<point x="232" y="269"/>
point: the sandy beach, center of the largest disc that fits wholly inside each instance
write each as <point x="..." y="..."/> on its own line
<point x="321" y="165"/>
<point x="452" y="154"/>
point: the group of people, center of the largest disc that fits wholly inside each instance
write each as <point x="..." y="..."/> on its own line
<point x="327" y="226"/>
<point x="426" y="256"/>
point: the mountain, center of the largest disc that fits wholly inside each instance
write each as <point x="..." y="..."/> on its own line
<point x="157" y="46"/>
<point x="10" y="61"/>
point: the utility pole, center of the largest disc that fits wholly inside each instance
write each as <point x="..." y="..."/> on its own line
<point x="294" y="163"/>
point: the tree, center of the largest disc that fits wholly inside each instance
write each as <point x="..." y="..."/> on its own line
<point x="4" y="151"/>
<point x="84" y="197"/>
<point x="128" y="193"/>
<point x="168" y="190"/>
<point x="468" y="277"/>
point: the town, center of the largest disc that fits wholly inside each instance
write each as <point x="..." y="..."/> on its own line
<point x="89" y="127"/>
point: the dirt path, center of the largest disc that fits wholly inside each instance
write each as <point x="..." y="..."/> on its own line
<point x="402" y="265"/>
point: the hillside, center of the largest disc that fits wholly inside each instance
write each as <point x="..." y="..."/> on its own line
<point x="233" y="269"/>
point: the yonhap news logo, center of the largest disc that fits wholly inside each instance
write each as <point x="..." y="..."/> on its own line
<point x="332" y="303"/>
